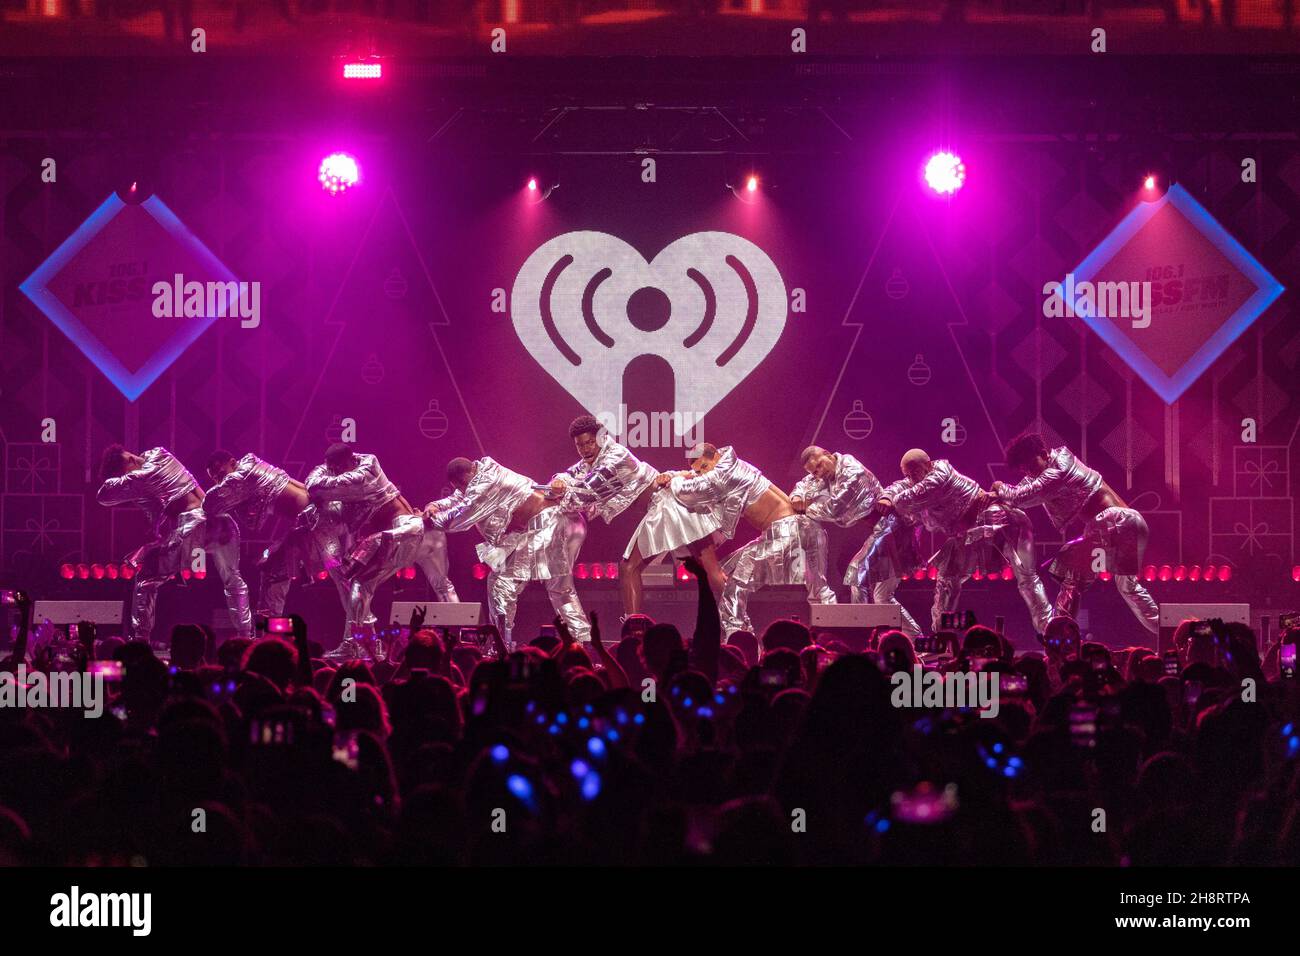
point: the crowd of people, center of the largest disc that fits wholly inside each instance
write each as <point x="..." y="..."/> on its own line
<point x="658" y="749"/>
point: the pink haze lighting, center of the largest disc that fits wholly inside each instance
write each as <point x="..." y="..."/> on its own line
<point x="338" y="173"/>
<point x="945" y="173"/>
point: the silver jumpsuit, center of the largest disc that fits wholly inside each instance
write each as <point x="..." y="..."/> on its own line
<point x="161" y="480"/>
<point x="544" y="551"/>
<point x="614" y="480"/>
<point x="313" y="542"/>
<point x="942" y="502"/>
<point x="789" y="551"/>
<point x="1120" y="533"/>
<point x="890" y="551"/>
<point x="373" y="559"/>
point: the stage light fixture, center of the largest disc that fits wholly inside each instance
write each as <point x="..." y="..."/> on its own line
<point x="1225" y="573"/>
<point x="1211" y="572"/>
<point x="945" y="173"/>
<point x="1295" y="573"/>
<point x="338" y="173"/>
<point x="363" y="70"/>
<point x="1149" y="182"/>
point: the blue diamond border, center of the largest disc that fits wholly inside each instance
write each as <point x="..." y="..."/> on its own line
<point x="1267" y="290"/>
<point x="36" y="288"/>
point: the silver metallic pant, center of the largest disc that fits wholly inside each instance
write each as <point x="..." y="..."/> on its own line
<point x="791" y="551"/>
<point x="160" y="561"/>
<point x="381" y="555"/>
<point x="999" y="531"/>
<point x="302" y="553"/>
<point x="1121" y="535"/>
<point x="875" y="571"/>
<point x="544" y="552"/>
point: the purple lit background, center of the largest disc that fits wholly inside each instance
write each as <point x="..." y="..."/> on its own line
<point x="377" y="304"/>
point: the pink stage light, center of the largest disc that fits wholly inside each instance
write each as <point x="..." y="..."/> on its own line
<point x="481" y="571"/>
<point x="83" y="572"/>
<point x="932" y="573"/>
<point x="1295" y="573"/>
<point x="945" y="173"/>
<point x="1194" y="573"/>
<point x="751" y="184"/>
<point x="920" y="574"/>
<point x="1149" y="183"/>
<point x="362" y="71"/>
<point x="322" y="575"/>
<point x="581" y="571"/>
<point x="598" y="572"/>
<point x="1166" y="572"/>
<point x="611" y="570"/>
<point x="110" y="570"/>
<point x="186" y="574"/>
<point x="1149" y="573"/>
<point x="1180" y="573"/>
<point x="68" y="572"/>
<point x="682" y="574"/>
<point x="532" y="185"/>
<point x="1225" y="573"/>
<point x="338" y="173"/>
<point x="128" y="572"/>
<point x="1105" y="575"/>
<point x="97" y="572"/>
<point x="1211" y="572"/>
<point x="1008" y="574"/>
<point x="200" y="575"/>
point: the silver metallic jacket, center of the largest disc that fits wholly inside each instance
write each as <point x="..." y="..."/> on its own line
<point x="252" y="487"/>
<point x="152" y="487"/>
<point x="939" y="500"/>
<point x="846" y="499"/>
<point x="614" y="479"/>
<point x="1062" y="489"/>
<point x="488" y="502"/>
<point x="727" y="489"/>
<point x="363" y="490"/>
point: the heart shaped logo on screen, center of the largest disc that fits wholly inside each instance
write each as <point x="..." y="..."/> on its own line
<point x="725" y="309"/>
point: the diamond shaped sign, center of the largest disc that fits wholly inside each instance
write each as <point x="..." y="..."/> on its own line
<point x="1206" y="289"/>
<point x="97" y="287"/>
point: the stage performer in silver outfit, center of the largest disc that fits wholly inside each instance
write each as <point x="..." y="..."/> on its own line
<point x="608" y="480"/>
<point x="257" y="493"/>
<point x="164" y="489"/>
<point x="1111" y="536"/>
<point x="840" y="490"/>
<point x="385" y="534"/>
<point x="526" y="537"/>
<point x="979" y="529"/>
<point x="786" y="550"/>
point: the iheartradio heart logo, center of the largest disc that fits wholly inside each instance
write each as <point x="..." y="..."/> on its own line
<point x="726" y="308"/>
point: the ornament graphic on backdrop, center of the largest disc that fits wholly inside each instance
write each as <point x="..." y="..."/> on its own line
<point x="918" y="373"/>
<point x="857" y="423"/>
<point x="372" y="372"/>
<point x="727" y="309"/>
<point x="896" y="286"/>
<point x="334" y="430"/>
<point x="433" y="422"/>
<point x="395" y="286"/>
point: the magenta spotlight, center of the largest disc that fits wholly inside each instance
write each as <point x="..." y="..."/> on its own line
<point x="532" y="185"/>
<point x="751" y="184"/>
<point x="945" y="173"/>
<point x="1149" y="183"/>
<point x="338" y="173"/>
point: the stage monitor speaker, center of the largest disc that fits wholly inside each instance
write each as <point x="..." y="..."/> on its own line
<point x="74" y="612"/>
<point x="853" y="623"/>
<point x="439" y="613"/>
<point x="1171" y="615"/>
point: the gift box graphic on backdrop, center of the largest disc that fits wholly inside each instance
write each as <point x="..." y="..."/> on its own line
<point x="32" y="468"/>
<point x="1261" y="471"/>
<point x="50" y="524"/>
<point x="1251" y="530"/>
